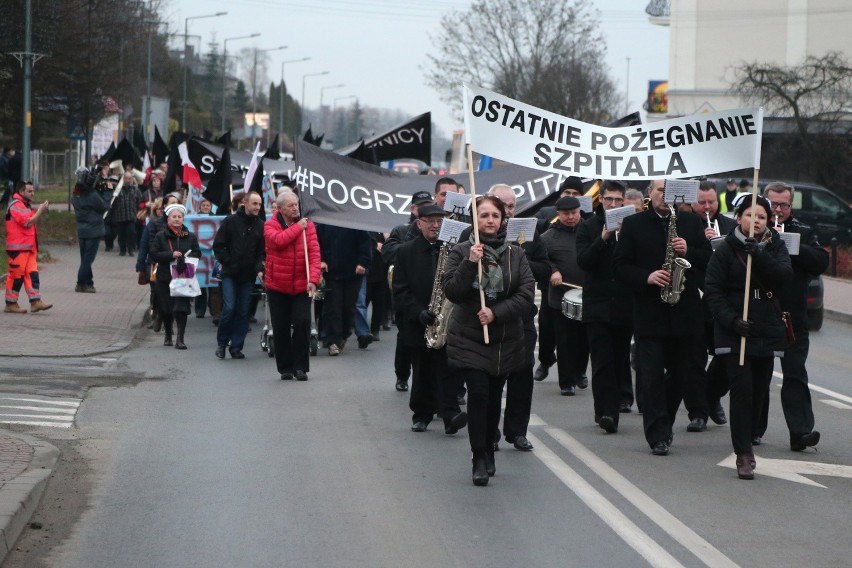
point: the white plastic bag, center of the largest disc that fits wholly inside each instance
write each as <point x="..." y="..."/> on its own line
<point x="185" y="286"/>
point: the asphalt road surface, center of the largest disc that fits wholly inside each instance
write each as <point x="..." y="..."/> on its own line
<point x="219" y="463"/>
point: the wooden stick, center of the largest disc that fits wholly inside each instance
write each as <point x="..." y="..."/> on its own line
<point x="748" y="264"/>
<point x="307" y="264"/>
<point x="476" y="234"/>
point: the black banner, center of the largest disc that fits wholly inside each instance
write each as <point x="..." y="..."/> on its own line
<point x="341" y="191"/>
<point x="413" y="139"/>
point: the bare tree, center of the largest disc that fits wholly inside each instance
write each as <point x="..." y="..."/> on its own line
<point x="547" y="53"/>
<point x="815" y="99"/>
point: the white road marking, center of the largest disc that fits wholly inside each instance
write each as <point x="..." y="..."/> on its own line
<point x="43" y="401"/>
<point x="652" y="552"/>
<point x="33" y="423"/>
<point x="46" y="416"/>
<point x="835" y="404"/>
<point x="40" y="409"/>
<point x="793" y="470"/>
<point x="33" y="410"/>
<point x="821" y="390"/>
<point x="681" y="533"/>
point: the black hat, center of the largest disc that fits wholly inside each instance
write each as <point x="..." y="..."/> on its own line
<point x="567" y="203"/>
<point x="572" y="182"/>
<point x="731" y="180"/>
<point x="421" y="197"/>
<point x="430" y="209"/>
<point x="745" y="183"/>
<point x="743" y="202"/>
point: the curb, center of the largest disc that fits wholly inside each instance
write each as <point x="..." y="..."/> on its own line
<point x="834" y="315"/>
<point x="20" y="497"/>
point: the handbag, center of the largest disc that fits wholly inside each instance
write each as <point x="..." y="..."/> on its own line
<point x="144" y="278"/>
<point x="184" y="284"/>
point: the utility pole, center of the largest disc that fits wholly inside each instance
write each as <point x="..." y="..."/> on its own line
<point x="283" y="94"/>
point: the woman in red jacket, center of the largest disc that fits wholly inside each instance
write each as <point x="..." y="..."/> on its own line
<point x="291" y="282"/>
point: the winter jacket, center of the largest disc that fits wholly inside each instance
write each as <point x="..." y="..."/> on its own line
<point x="89" y="209"/>
<point x="506" y="350"/>
<point x="561" y="244"/>
<point x="143" y="258"/>
<point x="165" y="243"/>
<point x="238" y="246"/>
<point x="725" y="288"/>
<point x="605" y="300"/>
<point x="343" y="249"/>
<point x="413" y="280"/>
<point x="399" y="235"/>
<point x="811" y="261"/>
<point x="19" y="236"/>
<point x="126" y="204"/>
<point x="285" y="256"/>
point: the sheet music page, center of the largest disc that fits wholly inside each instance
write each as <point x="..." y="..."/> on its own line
<point x="520" y="230"/>
<point x="682" y="190"/>
<point x="451" y="229"/>
<point x="614" y="217"/>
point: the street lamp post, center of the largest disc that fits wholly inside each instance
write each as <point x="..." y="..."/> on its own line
<point x="322" y="92"/>
<point x="304" y="77"/>
<point x="184" y="102"/>
<point x="281" y="95"/>
<point x="225" y="70"/>
<point x="254" y="90"/>
<point x="334" y="102"/>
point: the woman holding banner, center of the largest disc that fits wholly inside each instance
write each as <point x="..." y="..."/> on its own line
<point x="509" y="287"/>
<point x="292" y="276"/>
<point x="764" y="330"/>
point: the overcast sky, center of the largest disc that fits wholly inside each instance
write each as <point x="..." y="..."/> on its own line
<point x="377" y="48"/>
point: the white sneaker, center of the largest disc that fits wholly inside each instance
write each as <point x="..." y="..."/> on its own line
<point x="333" y="350"/>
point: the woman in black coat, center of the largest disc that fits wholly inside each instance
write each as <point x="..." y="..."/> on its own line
<point x="172" y="244"/>
<point x="509" y="288"/>
<point x="764" y="331"/>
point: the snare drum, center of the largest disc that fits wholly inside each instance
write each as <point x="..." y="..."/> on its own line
<point x="572" y="304"/>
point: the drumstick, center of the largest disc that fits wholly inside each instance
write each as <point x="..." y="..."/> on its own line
<point x="571" y="285"/>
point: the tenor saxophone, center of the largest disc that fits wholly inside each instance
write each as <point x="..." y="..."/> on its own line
<point x="674" y="265"/>
<point x="436" y="334"/>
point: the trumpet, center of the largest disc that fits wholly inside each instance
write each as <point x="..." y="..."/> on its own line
<point x="712" y="225"/>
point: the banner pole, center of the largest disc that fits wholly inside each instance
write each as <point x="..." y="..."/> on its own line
<point x="476" y="233"/>
<point x="307" y="263"/>
<point x="748" y="263"/>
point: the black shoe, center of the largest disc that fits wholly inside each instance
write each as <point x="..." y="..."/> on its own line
<point x="215" y="322"/>
<point x="717" y="414"/>
<point x="237" y="354"/>
<point x="541" y="372"/>
<point x="385" y="328"/>
<point x="567" y="391"/>
<point x="660" y="449"/>
<point x="220" y="352"/>
<point x="490" y="465"/>
<point x="455" y="423"/>
<point x="582" y="382"/>
<point x="301" y="376"/>
<point x="756" y="440"/>
<point x="286" y="376"/>
<point x="522" y="444"/>
<point x="364" y="341"/>
<point x="697" y="425"/>
<point x="199" y="316"/>
<point x="809" y="440"/>
<point x="418" y="426"/>
<point x="624" y="408"/>
<point x="480" y="470"/>
<point x="402" y="386"/>
<point x="608" y="424"/>
<point x="461" y="400"/>
<point x="252" y="319"/>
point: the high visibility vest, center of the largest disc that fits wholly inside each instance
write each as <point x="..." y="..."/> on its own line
<point x="723" y="202"/>
<point x="18" y="235"/>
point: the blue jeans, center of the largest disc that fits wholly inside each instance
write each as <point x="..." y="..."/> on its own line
<point x="88" y="251"/>
<point x="233" y="324"/>
<point x="362" y="325"/>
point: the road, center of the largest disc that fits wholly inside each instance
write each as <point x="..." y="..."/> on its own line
<point x="179" y="459"/>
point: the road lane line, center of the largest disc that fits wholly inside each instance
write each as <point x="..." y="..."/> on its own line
<point x="41" y="416"/>
<point x="622" y="526"/>
<point x="835" y="404"/>
<point x="40" y="408"/>
<point x="822" y="390"/>
<point x="681" y="533"/>
<point x="43" y="401"/>
<point x="33" y="423"/>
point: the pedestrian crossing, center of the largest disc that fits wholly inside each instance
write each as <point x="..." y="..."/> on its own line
<point x="35" y="410"/>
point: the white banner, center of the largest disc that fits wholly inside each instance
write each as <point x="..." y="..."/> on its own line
<point x="682" y="147"/>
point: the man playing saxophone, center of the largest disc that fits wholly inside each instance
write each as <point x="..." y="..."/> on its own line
<point x="433" y="388"/>
<point x="668" y="336"/>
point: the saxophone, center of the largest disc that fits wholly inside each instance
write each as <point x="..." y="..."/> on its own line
<point x="674" y="265"/>
<point x="436" y="334"/>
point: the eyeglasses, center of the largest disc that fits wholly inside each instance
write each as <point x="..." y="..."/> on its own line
<point x="782" y="206"/>
<point x="431" y="220"/>
<point x="613" y="200"/>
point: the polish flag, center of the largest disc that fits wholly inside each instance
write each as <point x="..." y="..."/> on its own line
<point x="190" y="175"/>
<point x="252" y="167"/>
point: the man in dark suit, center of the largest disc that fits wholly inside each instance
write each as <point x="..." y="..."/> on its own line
<point x="607" y="314"/>
<point x="668" y="337"/>
<point x="811" y="261"/>
<point x="433" y="389"/>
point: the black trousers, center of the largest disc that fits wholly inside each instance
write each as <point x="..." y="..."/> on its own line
<point x="519" y="391"/>
<point x="377" y="296"/>
<point x="433" y="386"/>
<point x="612" y="381"/>
<point x="748" y="385"/>
<point x="484" y="394"/>
<point x="795" y="393"/>
<point x="546" y="337"/>
<point x="291" y="330"/>
<point x="572" y="348"/>
<point x="402" y="354"/>
<point x="338" y="309"/>
<point x="662" y="391"/>
<point x="126" y="233"/>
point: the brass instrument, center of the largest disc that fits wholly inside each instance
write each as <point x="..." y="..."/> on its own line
<point x="436" y="334"/>
<point x="674" y="265"/>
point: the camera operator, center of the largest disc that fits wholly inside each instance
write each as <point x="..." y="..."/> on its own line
<point x="90" y="200"/>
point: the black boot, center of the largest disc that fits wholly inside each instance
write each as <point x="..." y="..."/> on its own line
<point x="490" y="466"/>
<point x="480" y="469"/>
<point x="167" y="328"/>
<point x="181" y="328"/>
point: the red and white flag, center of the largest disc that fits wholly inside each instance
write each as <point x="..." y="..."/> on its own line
<point x="190" y="174"/>
<point x="252" y="168"/>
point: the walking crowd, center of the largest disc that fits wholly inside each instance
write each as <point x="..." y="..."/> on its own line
<point x="466" y="311"/>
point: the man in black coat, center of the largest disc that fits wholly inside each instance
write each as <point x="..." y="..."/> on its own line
<point x="811" y="261"/>
<point x="433" y="389"/>
<point x="239" y="248"/>
<point x="400" y="235"/>
<point x="668" y="337"/>
<point x="607" y="313"/>
<point x="519" y="385"/>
